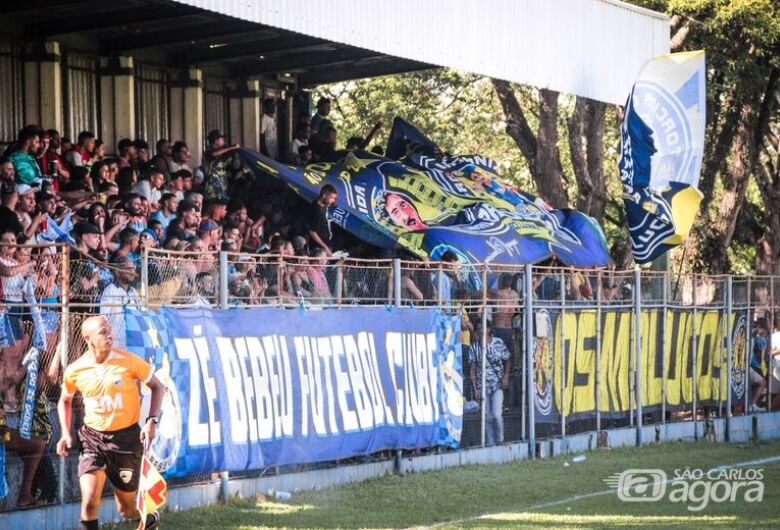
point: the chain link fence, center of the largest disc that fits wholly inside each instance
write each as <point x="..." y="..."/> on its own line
<point x="570" y="339"/>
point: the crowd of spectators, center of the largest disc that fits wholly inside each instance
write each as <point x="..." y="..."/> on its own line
<point x="116" y="202"/>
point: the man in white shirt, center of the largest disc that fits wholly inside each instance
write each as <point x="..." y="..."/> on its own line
<point x="269" y="143"/>
<point x="151" y="187"/>
<point x="117" y="295"/>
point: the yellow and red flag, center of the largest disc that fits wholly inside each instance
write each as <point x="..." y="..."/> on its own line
<point x="152" y="490"/>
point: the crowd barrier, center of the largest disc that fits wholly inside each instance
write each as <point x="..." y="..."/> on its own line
<point x="590" y="350"/>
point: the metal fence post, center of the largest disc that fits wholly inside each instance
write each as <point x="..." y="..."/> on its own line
<point x="339" y="282"/>
<point x="399" y="468"/>
<point x="483" y="356"/>
<point x="145" y="277"/>
<point x="729" y="349"/>
<point x="770" y="326"/>
<point x="562" y="339"/>
<point x="694" y="371"/>
<point x="748" y="346"/>
<point x="64" y="346"/>
<point x="397" y="282"/>
<point x="440" y="286"/>
<point x="529" y="359"/>
<point x="482" y="375"/>
<point x="638" y="352"/>
<point x="224" y="476"/>
<point x="599" y="294"/>
<point x="664" y="359"/>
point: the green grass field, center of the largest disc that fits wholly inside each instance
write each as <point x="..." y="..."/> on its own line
<point x="533" y="495"/>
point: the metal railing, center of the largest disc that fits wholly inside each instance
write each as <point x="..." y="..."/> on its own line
<point x="590" y="350"/>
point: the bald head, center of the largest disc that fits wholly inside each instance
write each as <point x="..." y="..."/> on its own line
<point x="98" y="336"/>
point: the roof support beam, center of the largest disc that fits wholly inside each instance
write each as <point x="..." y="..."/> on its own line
<point x="291" y="63"/>
<point x="292" y="44"/>
<point x="119" y="18"/>
<point x="195" y="33"/>
<point x="356" y="71"/>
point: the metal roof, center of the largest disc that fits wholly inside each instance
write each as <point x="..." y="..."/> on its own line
<point x="592" y="48"/>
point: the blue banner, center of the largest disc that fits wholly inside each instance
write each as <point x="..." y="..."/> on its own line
<point x="662" y="144"/>
<point x="431" y="210"/>
<point x="253" y="388"/>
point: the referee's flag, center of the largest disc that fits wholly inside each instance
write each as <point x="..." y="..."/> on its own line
<point x="152" y="490"/>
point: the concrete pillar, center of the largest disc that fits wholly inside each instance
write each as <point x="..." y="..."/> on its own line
<point x="117" y="100"/>
<point x="193" y="115"/>
<point x="187" y="112"/>
<point x="245" y="112"/>
<point x="43" y="86"/>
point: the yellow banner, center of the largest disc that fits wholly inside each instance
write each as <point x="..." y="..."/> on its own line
<point x="665" y="349"/>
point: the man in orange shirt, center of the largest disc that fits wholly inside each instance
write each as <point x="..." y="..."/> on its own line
<point x="111" y="442"/>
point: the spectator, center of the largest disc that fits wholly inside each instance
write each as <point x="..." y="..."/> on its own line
<point x="26" y="170"/>
<point x="183" y="227"/>
<point x="99" y="153"/>
<point x="141" y="154"/>
<point x="49" y="161"/>
<point x="126" y="180"/>
<point x="166" y="211"/>
<point x="81" y="154"/>
<point x="156" y="226"/>
<point x="65" y="145"/>
<point x="305" y="155"/>
<point x="324" y="146"/>
<point x="507" y="305"/>
<point x="196" y="199"/>
<point x="25" y="205"/>
<point x="176" y="184"/>
<point x="323" y="109"/>
<point x="214" y="163"/>
<point x="99" y="175"/>
<point x="12" y="277"/>
<point x="269" y="143"/>
<point x="135" y="213"/>
<point x="119" y="294"/>
<point x="446" y="278"/>
<point x="208" y="232"/>
<point x="180" y="158"/>
<point x="498" y="365"/>
<point x="205" y="290"/>
<point x="126" y="151"/>
<point x="163" y="156"/>
<point x="758" y="353"/>
<point x="113" y="168"/>
<point x="128" y="245"/>
<point x="217" y="210"/>
<point x="46" y="207"/>
<point x="151" y="187"/>
<point x="301" y="139"/>
<point x="314" y="278"/>
<point x="320" y="232"/>
<point x="7" y="174"/>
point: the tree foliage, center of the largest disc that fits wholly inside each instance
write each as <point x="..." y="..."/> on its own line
<point x="565" y="148"/>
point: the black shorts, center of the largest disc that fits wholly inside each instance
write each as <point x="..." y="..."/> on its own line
<point x="119" y="453"/>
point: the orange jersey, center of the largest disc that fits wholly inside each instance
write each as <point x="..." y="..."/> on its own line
<point x="112" y="399"/>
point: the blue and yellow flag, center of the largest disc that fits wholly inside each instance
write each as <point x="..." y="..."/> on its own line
<point x="662" y="144"/>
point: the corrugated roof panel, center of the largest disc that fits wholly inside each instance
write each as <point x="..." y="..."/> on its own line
<point x="592" y="48"/>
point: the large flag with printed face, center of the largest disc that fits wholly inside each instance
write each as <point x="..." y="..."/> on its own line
<point x="662" y="144"/>
<point x="152" y="490"/>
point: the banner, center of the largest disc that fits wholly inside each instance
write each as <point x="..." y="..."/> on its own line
<point x="253" y="388"/>
<point x="567" y="353"/>
<point x="662" y="143"/>
<point x="429" y="211"/>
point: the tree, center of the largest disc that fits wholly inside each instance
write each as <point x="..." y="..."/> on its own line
<point x="564" y="148"/>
